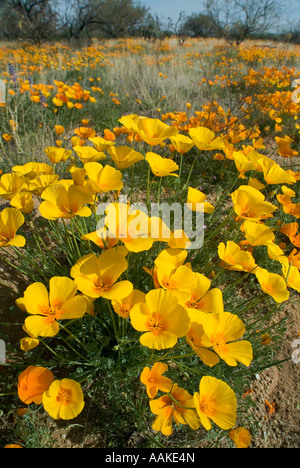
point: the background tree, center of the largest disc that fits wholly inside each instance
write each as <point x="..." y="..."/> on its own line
<point x="199" y="25"/>
<point x="235" y="20"/>
<point x="178" y="28"/>
<point x="100" y="18"/>
<point x="30" y="20"/>
<point x="152" y="28"/>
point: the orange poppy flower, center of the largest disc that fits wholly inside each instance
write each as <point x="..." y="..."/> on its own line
<point x="85" y="132"/>
<point x="32" y="383"/>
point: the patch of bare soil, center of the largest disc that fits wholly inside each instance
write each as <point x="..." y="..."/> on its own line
<point x="279" y="387"/>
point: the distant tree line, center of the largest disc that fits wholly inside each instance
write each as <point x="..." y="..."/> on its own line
<point x="79" y="21"/>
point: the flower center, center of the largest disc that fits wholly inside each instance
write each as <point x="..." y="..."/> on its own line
<point x="124" y="310"/>
<point x="155" y="325"/>
<point x="102" y="286"/>
<point x="207" y="406"/>
<point x="219" y="343"/>
<point x="64" y="396"/>
<point x="5" y="239"/>
<point x="52" y="313"/>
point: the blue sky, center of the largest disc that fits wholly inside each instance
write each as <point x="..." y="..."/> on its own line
<point x="172" y="8"/>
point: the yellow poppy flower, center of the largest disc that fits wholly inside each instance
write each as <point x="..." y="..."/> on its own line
<point x="275" y="252"/>
<point x="154" y="379"/>
<point x="28" y="343"/>
<point x="56" y="154"/>
<point x="205" y="140"/>
<point x="23" y="201"/>
<point x="275" y="174"/>
<point x="167" y="409"/>
<point x="123" y="306"/>
<point x="179" y="240"/>
<point x="59" y="129"/>
<point x="291" y="231"/>
<point x="215" y="402"/>
<point x="242" y="163"/>
<point x="161" y="318"/>
<point x="196" y="201"/>
<point x="10" y="185"/>
<point x="88" y="154"/>
<point x="40" y="183"/>
<point x="152" y="131"/>
<point x="102" y="179"/>
<point x="11" y="219"/>
<point x="224" y="332"/>
<point x="197" y="339"/>
<point x="291" y="274"/>
<point x="46" y="308"/>
<point x="179" y="281"/>
<point x="78" y="175"/>
<point x="161" y="167"/>
<point x="294" y="258"/>
<point x="66" y="203"/>
<point x="241" y="437"/>
<point x="85" y="132"/>
<point x="249" y="203"/>
<point x="158" y="230"/>
<point x="129" y="121"/>
<point x="201" y="297"/>
<point x="272" y="284"/>
<point x="284" y="147"/>
<point x="124" y="156"/>
<point x="255" y="183"/>
<point x="98" y="276"/>
<point x="31" y="170"/>
<point x="101" y="144"/>
<point x="6" y="137"/>
<point x="234" y="258"/>
<point x="101" y="239"/>
<point x="257" y="234"/>
<point x="64" y="399"/>
<point x="129" y="226"/>
<point x="173" y="257"/>
<point x="57" y="102"/>
<point x="182" y="143"/>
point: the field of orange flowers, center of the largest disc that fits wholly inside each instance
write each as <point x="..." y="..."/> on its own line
<point x="115" y="322"/>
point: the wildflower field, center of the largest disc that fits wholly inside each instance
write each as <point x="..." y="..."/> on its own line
<point x="121" y="327"/>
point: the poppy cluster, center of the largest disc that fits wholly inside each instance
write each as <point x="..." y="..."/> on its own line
<point x="174" y="306"/>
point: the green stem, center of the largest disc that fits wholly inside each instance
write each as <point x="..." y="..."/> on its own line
<point x="179" y="404"/>
<point x="220" y="202"/>
<point x="13" y="266"/>
<point x="220" y="227"/>
<point x="189" y="176"/>
<point x="112" y="317"/>
<point x="75" y="240"/>
<point x="154" y="440"/>
<point x="180" y="167"/>
<point x="8" y="394"/>
<point x="288" y="273"/>
<point x="159" y="190"/>
<point x="148" y="186"/>
<point x="71" y="334"/>
<point x="42" y="242"/>
<point x="132" y="183"/>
